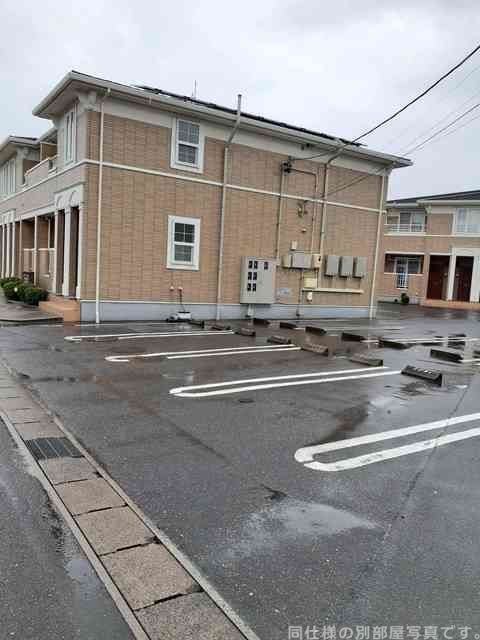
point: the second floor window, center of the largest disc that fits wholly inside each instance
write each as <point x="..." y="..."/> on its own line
<point x="187" y="145"/>
<point x="7" y="178"/>
<point x="467" y="221"/>
<point x="406" y="222"/>
<point x="70" y="135"/>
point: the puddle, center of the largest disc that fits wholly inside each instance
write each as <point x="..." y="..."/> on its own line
<point x="284" y="521"/>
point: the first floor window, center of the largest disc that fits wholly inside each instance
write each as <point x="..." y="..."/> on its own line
<point x="403" y="264"/>
<point x="183" y="249"/>
<point x="467" y="221"/>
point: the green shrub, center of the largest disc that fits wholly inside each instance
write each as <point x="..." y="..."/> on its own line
<point x="32" y="295"/>
<point x="4" y="281"/>
<point x="404" y="298"/>
<point x="16" y="289"/>
<point x="10" y="290"/>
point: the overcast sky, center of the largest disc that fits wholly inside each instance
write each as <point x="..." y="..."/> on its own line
<point x="337" y="67"/>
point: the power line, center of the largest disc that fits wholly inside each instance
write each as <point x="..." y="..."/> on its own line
<point x="464" y="124"/>
<point x="406" y="106"/>
<point x="440" y="101"/>
<point x="420" y="95"/>
<point x="434" y="135"/>
<point x="439" y="122"/>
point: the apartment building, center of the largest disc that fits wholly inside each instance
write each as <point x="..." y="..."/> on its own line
<point x="136" y="201"/>
<point x="431" y="250"/>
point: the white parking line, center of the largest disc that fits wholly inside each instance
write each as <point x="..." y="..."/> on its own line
<point x="306" y="455"/>
<point x="234" y="386"/>
<point x="227" y="350"/>
<point x="134" y="336"/>
<point x="235" y="353"/>
<point x="132" y="323"/>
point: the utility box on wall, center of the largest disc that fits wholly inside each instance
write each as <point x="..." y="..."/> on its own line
<point x="258" y="280"/>
<point x="346" y="266"/>
<point x="331" y="265"/>
<point x="360" y="267"/>
<point x="301" y="260"/>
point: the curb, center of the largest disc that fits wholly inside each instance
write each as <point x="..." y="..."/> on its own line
<point x="92" y="493"/>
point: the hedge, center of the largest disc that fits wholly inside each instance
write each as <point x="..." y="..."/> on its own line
<point x="16" y="289"/>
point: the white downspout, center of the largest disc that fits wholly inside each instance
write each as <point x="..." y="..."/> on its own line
<point x="371" y="311"/>
<point x="99" y="210"/>
<point x="222" y="208"/>
<point x="323" y="223"/>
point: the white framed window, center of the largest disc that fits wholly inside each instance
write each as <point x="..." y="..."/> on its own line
<point x="183" y="250"/>
<point x="70" y="132"/>
<point x="467" y="221"/>
<point x="187" y="145"/>
<point x="406" y="222"/>
<point x="8" y="178"/>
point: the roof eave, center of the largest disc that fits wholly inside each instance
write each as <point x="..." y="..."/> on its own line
<point x="178" y="105"/>
<point x="450" y="202"/>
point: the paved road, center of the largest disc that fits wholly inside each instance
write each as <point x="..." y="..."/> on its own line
<point x="391" y="543"/>
<point x="48" y="589"/>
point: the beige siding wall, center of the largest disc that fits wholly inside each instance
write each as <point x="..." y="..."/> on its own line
<point x="437" y="239"/>
<point x="136" y="207"/>
<point x="42" y="195"/>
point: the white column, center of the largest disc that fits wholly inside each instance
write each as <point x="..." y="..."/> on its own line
<point x="66" y="252"/>
<point x="475" y="285"/>
<point x="20" y="249"/>
<point x="8" y="252"/>
<point x="13" y="270"/>
<point x="3" y="250"/>
<point x="35" y="250"/>
<point x="80" y="250"/>
<point x="451" y="276"/>
<point x="55" y="255"/>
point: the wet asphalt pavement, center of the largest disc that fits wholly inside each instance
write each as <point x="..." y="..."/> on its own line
<point x="48" y="590"/>
<point x="390" y="543"/>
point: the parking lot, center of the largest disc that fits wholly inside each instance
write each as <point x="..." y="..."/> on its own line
<point x="309" y="489"/>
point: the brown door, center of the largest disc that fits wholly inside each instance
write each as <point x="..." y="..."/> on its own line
<point x="437" y="276"/>
<point x="463" y="278"/>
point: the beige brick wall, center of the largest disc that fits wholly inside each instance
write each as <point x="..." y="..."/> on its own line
<point x="136" y="208"/>
<point x="438" y="239"/>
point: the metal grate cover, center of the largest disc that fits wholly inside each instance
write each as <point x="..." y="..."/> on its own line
<point x="44" y="448"/>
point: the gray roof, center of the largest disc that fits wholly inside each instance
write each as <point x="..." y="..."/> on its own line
<point x="455" y="195"/>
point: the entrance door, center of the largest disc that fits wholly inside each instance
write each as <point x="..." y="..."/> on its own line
<point x="437" y="277"/>
<point x="463" y="278"/>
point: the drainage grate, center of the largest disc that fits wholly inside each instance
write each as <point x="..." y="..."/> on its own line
<point x="44" y="448"/>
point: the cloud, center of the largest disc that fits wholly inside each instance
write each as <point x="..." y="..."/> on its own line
<point x="334" y="67"/>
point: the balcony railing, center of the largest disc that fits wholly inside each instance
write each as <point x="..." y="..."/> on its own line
<point x="401" y="280"/>
<point x="413" y="227"/>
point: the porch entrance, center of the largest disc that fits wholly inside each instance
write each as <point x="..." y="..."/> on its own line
<point x="463" y="278"/>
<point x="438" y="277"/>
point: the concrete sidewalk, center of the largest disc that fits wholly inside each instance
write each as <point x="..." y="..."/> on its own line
<point x="49" y="588"/>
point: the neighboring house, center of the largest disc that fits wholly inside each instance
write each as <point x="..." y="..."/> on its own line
<point x="139" y="199"/>
<point x="431" y="249"/>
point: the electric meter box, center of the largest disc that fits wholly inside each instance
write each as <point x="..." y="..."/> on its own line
<point x="360" y="267"/>
<point x="258" y="280"/>
<point x="301" y="260"/>
<point x="346" y="266"/>
<point x="332" y="265"/>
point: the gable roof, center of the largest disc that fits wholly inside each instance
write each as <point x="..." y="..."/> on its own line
<point x="66" y="92"/>
<point x="453" y="196"/>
